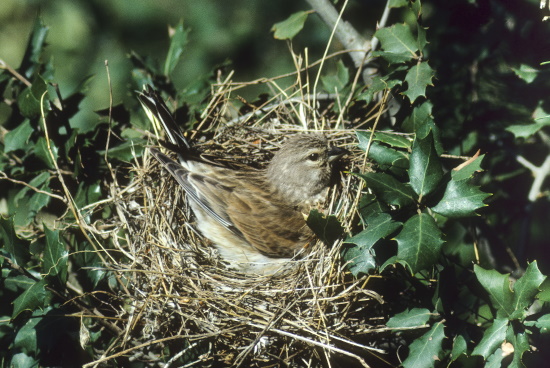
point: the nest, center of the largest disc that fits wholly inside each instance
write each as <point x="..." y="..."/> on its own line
<point x="182" y="294"/>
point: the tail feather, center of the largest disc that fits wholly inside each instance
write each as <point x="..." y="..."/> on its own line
<point x="158" y="113"/>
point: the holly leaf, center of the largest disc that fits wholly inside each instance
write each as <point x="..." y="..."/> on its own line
<point x="388" y="189"/>
<point x="425" y="171"/>
<point x="493" y="337"/>
<point x="498" y="287"/>
<point x="361" y="256"/>
<point x="425" y="351"/>
<point x="410" y="318"/>
<point x="419" y="242"/>
<point x="327" y="228"/>
<point x="418" y="78"/>
<point x="461" y="199"/>
<point x="32" y="298"/>
<point x="398" y="43"/>
<point x="467" y="169"/>
<point x="55" y="257"/>
<point x="526" y="288"/>
<point x="378" y="84"/>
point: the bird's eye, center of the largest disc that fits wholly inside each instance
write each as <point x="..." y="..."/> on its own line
<point x="313" y="157"/>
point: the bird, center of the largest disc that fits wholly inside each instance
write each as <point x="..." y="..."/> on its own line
<point x="255" y="218"/>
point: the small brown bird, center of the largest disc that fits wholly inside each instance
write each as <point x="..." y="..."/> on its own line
<point x="255" y="218"/>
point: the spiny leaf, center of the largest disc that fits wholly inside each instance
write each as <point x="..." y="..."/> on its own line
<point x="55" y="256"/>
<point x="410" y="318"/>
<point x="389" y="189"/>
<point x="425" y="351"/>
<point x="32" y="298"/>
<point x="418" y="78"/>
<point x="398" y="43"/>
<point x="461" y="199"/>
<point x="526" y="288"/>
<point x="498" y="287"/>
<point x="493" y="337"/>
<point x="468" y="170"/>
<point x="419" y="243"/>
<point x="425" y="170"/>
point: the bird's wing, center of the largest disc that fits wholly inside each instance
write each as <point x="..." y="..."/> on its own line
<point x="273" y="228"/>
<point x="202" y="194"/>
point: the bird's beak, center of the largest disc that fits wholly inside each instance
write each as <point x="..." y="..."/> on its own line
<point x="336" y="152"/>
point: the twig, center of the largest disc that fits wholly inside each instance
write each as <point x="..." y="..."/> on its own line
<point x="356" y="45"/>
<point x="320" y="344"/>
<point x="5" y="177"/>
<point x="540" y="173"/>
<point x="4" y="65"/>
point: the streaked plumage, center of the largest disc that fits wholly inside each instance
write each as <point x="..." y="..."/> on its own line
<point x="255" y="218"/>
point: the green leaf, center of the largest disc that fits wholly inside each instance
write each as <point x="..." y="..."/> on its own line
<point x="55" y="256"/>
<point x="419" y="243"/>
<point x="543" y="324"/>
<point x="468" y="171"/>
<point x="290" y="27"/>
<point x="397" y="3"/>
<point x="11" y="243"/>
<point x="18" y="138"/>
<point x="335" y="83"/>
<point x="26" y="339"/>
<point x="327" y="228"/>
<point x="461" y="199"/>
<point x="541" y="120"/>
<point x="493" y="337"/>
<point x="41" y="151"/>
<point x="33" y="52"/>
<point x="420" y="121"/>
<point x="378" y="84"/>
<point x="495" y="359"/>
<point x="127" y="150"/>
<point x="418" y="78"/>
<point x="389" y="159"/>
<point x="178" y="42"/>
<point x="35" y="201"/>
<point x="32" y="298"/>
<point x="22" y="360"/>
<point x="421" y="36"/>
<point x="460" y="347"/>
<point x="410" y="318"/>
<point x="526" y="288"/>
<point x="520" y="342"/>
<point x="397" y="42"/>
<point x="389" y="189"/>
<point x="361" y="257"/>
<point x="393" y="139"/>
<point x="498" y="287"/>
<point x="359" y="260"/>
<point x="29" y="99"/>
<point x="425" y="351"/>
<point x="526" y="72"/>
<point x="379" y="226"/>
<point x="425" y="170"/>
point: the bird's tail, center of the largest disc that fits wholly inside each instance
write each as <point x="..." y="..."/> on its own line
<point x="160" y="116"/>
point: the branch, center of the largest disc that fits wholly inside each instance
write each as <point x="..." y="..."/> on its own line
<point x="358" y="47"/>
<point x="539" y="173"/>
